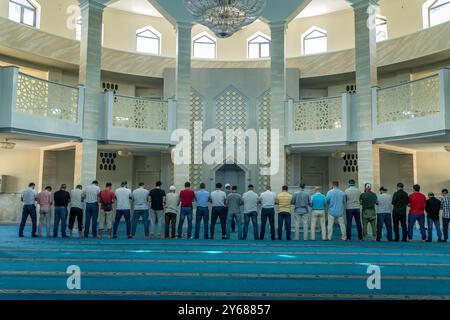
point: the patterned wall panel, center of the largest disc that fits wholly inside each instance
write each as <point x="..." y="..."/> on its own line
<point x="138" y="113"/>
<point x="264" y="111"/>
<point x="196" y="114"/>
<point x="46" y="99"/>
<point x="231" y="110"/>
<point x="321" y="114"/>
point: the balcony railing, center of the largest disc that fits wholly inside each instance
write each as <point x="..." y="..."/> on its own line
<point x="415" y="99"/>
<point x="47" y="99"/>
<point x="319" y="121"/>
<point x="139" y="113"/>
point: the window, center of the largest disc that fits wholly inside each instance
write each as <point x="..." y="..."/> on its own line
<point x="381" y="29"/>
<point x="24" y="11"/>
<point x="204" y="46"/>
<point x="148" y="40"/>
<point x="438" y="12"/>
<point x="258" y="46"/>
<point x="314" y="41"/>
<point x="78" y="29"/>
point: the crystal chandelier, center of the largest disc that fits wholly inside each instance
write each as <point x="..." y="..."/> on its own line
<point x="225" y="17"/>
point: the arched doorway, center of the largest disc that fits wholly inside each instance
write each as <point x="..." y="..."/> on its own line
<point x="232" y="174"/>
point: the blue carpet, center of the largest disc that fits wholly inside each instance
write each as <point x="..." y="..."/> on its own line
<point x="219" y="269"/>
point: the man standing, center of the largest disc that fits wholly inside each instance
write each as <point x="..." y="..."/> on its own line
<point x="76" y="210"/>
<point x="400" y="202"/>
<point x="227" y="192"/>
<point x="284" y="201"/>
<point x="432" y="207"/>
<point x="107" y="198"/>
<point x="187" y="196"/>
<point x="384" y="206"/>
<point x="267" y="200"/>
<point x="302" y="203"/>
<point x="445" y="213"/>
<point x="157" y="199"/>
<point x="61" y="199"/>
<point x="29" y="197"/>
<point x="353" y="209"/>
<point x="417" y="201"/>
<point x="368" y="201"/>
<point x="234" y="201"/>
<point x="202" y="212"/>
<point x="318" y="205"/>
<point x="172" y="203"/>
<point x="219" y="210"/>
<point x="140" y="203"/>
<point x="90" y="195"/>
<point x="123" y="208"/>
<point x="250" y="200"/>
<point x="45" y="202"/>
<point x="336" y="206"/>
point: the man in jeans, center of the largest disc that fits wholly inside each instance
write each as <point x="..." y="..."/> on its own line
<point x="417" y="202"/>
<point x="172" y="203"/>
<point x="202" y="212"/>
<point x="187" y="196"/>
<point x="445" y="213"/>
<point x="302" y="203"/>
<point x="353" y="209"/>
<point x="384" y="209"/>
<point x="90" y="195"/>
<point x="157" y="199"/>
<point x="45" y="202"/>
<point x="219" y="210"/>
<point x="336" y="206"/>
<point x="250" y="201"/>
<point x="29" y="197"/>
<point x="267" y="200"/>
<point x="140" y="203"/>
<point x="400" y="202"/>
<point x="107" y="198"/>
<point x="432" y="208"/>
<point x="123" y="208"/>
<point x="76" y="210"/>
<point x="318" y="206"/>
<point x="234" y="201"/>
<point x="61" y="199"/>
<point x="284" y="201"/>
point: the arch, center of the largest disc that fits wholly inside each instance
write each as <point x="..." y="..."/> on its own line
<point x="204" y="45"/>
<point x="314" y="40"/>
<point x="258" y="46"/>
<point x="148" y="40"/>
<point x="27" y="12"/>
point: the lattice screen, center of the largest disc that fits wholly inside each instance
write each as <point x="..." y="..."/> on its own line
<point x="196" y="114"/>
<point x="264" y="110"/>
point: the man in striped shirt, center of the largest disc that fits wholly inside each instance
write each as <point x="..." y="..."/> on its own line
<point x="445" y="212"/>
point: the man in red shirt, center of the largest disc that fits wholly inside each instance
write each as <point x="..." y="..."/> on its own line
<point x="187" y="196"/>
<point x="107" y="199"/>
<point x="417" y="202"/>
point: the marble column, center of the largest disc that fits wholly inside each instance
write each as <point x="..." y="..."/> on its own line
<point x="278" y="97"/>
<point x="183" y="91"/>
<point x="366" y="77"/>
<point x="90" y="77"/>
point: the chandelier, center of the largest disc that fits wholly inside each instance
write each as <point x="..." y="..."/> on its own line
<point x="7" y="145"/>
<point x="225" y="17"/>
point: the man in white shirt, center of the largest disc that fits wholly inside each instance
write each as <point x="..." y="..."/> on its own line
<point x="29" y="197"/>
<point x="90" y="196"/>
<point x="123" y="208"/>
<point x="219" y="210"/>
<point x="141" y="209"/>
<point x="353" y="209"/>
<point x="267" y="200"/>
<point x="250" y="200"/>
<point x="384" y="214"/>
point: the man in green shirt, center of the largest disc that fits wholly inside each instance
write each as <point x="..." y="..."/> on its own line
<point x="368" y="201"/>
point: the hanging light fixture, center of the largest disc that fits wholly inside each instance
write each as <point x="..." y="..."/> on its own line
<point x="124" y="153"/>
<point x="7" y="145"/>
<point x="225" y="17"/>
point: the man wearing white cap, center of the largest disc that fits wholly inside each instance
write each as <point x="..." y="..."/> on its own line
<point x="172" y="203"/>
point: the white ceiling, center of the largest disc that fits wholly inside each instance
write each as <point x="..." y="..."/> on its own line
<point x="319" y="7"/>
<point x="136" y="6"/>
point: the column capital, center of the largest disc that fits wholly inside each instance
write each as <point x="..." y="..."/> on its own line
<point x="361" y="4"/>
<point x="274" y="25"/>
<point x="183" y="25"/>
<point x="92" y="4"/>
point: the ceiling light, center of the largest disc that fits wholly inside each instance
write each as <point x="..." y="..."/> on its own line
<point x="124" y="153"/>
<point x="447" y="148"/>
<point x="7" y="145"/>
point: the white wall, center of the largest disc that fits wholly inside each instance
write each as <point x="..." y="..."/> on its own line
<point x="433" y="172"/>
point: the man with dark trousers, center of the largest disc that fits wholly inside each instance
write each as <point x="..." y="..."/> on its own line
<point x="267" y="200"/>
<point x="61" y="200"/>
<point x="400" y="203"/>
<point x="432" y="208"/>
<point x="219" y="210"/>
<point x="29" y="197"/>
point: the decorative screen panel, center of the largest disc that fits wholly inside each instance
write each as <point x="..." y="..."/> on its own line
<point x="196" y="114"/>
<point x="321" y="114"/>
<point x="264" y="119"/>
<point x="231" y="110"/>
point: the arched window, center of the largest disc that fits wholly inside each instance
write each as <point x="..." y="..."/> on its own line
<point x="258" y="46"/>
<point x="314" y="40"/>
<point x="204" y="46"/>
<point x="381" y="28"/>
<point x="435" y="12"/>
<point x="148" y="40"/>
<point x="25" y="12"/>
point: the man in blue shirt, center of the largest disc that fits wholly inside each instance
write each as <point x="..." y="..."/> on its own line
<point x="318" y="205"/>
<point x="336" y="200"/>
<point x="202" y="200"/>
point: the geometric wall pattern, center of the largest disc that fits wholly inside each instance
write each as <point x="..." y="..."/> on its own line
<point x="195" y="114"/>
<point x="264" y="121"/>
<point x="46" y="99"/>
<point x="321" y="114"/>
